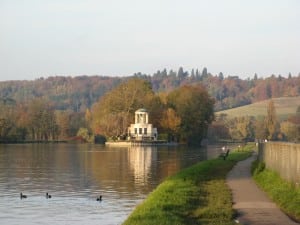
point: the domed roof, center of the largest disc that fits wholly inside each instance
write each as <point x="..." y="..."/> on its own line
<point x="141" y="110"/>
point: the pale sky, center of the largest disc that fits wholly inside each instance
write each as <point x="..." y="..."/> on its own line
<point x="42" y="38"/>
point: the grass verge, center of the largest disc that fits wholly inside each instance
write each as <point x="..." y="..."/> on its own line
<point x="285" y="194"/>
<point x="196" y="195"/>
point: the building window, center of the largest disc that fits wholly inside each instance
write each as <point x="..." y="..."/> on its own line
<point x="140" y="131"/>
<point x="135" y="130"/>
<point x="145" y="130"/>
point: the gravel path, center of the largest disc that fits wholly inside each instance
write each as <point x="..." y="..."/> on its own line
<point x="252" y="204"/>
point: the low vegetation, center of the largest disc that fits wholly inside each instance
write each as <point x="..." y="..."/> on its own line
<point x="285" y="194"/>
<point x="196" y="195"/>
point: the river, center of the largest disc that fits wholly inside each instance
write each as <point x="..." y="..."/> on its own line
<point x="75" y="175"/>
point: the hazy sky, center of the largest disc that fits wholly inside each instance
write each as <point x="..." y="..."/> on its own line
<point x="42" y="38"/>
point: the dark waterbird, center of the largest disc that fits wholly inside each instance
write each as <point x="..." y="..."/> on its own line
<point x="22" y="196"/>
<point x="100" y="198"/>
<point x="48" y="196"/>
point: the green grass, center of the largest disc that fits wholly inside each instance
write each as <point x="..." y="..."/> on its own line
<point x="285" y="106"/>
<point x="285" y="194"/>
<point x="196" y="195"/>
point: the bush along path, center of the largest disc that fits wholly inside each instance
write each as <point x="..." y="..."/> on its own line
<point x="252" y="204"/>
<point x="196" y="195"/>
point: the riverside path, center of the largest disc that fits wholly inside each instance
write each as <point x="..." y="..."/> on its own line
<point x="252" y="205"/>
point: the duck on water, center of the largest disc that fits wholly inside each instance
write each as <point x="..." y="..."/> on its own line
<point x="48" y="196"/>
<point x="100" y="198"/>
<point x="22" y="195"/>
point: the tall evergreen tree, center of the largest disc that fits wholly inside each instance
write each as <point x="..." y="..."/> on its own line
<point x="193" y="73"/>
<point x="221" y="76"/>
<point x="255" y="76"/>
<point x="164" y="73"/>
<point x="204" y="72"/>
<point x="197" y="74"/>
<point x="180" y="73"/>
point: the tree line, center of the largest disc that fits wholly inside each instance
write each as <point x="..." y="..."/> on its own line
<point x="58" y="108"/>
<point x="79" y="93"/>
<point x="183" y="115"/>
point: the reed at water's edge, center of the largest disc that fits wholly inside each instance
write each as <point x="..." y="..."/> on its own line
<point x="196" y="195"/>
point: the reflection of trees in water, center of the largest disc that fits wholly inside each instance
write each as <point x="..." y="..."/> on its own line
<point x="70" y="167"/>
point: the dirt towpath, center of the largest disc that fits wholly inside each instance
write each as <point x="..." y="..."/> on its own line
<point x="252" y="204"/>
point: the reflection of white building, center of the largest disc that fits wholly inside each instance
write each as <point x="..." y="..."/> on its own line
<point x="141" y="129"/>
<point x="140" y="159"/>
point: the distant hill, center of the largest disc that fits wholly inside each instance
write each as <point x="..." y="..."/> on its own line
<point x="285" y="106"/>
<point x="81" y="92"/>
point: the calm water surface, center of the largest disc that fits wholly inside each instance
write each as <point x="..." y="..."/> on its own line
<point x="75" y="175"/>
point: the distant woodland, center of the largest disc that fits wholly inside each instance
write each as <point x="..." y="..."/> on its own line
<point x="58" y="108"/>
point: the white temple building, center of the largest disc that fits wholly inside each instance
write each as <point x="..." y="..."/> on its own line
<point x="142" y="129"/>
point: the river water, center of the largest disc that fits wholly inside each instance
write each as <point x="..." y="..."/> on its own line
<point x="75" y="175"/>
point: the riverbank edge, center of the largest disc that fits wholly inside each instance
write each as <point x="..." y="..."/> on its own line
<point x="139" y="143"/>
<point x="285" y="194"/>
<point x="196" y="195"/>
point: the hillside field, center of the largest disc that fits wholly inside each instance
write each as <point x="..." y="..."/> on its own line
<point x="285" y="106"/>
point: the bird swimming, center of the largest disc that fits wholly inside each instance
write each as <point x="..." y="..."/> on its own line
<point x="22" y="196"/>
<point x="100" y="198"/>
<point x="48" y="196"/>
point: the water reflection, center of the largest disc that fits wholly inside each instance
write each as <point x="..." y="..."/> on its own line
<point x="76" y="174"/>
<point x="140" y="159"/>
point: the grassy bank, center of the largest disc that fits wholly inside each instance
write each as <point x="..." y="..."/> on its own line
<point x="196" y="195"/>
<point x="285" y="194"/>
<point x="285" y="106"/>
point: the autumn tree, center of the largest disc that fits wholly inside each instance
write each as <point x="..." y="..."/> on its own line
<point x="113" y="113"/>
<point x="170" y="122"/>
<point x="260" y="128"/>
<point x="218" y="130"/>
<point x="6" y="123"/>
<point x="290" y="131"/>
<point x="85" y="134"/>
<point x="63" y="122"/>
<point x="271" y="121"/>
<point x="291" y="127"/>
<point x="195" y="108"/>
<point x="42" y="120"/>
<point x="241" y="128"/>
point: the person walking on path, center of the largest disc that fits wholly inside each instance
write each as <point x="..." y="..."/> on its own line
<point x="251" y="204"/>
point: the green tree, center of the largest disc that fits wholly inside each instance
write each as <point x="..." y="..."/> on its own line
<point x="195" y="108"/>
